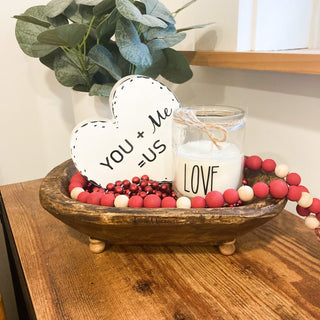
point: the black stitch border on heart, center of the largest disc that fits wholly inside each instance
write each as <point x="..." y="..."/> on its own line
<point x="137" y="141"/>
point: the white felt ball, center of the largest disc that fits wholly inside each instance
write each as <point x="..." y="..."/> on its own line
<point x="184" y="203"/>
<point x="306" y="200"/>
<point x="75" y="192"/>
<point x="281" y="170"/>
<point x="312" y="222"/>
<point x="121" y="201"/>
<point x="245" y="193"/>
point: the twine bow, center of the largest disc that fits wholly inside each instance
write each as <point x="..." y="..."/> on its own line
<point x="188" y="117"/>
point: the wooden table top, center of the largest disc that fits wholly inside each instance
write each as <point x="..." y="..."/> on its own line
<point x="274" y="274"/>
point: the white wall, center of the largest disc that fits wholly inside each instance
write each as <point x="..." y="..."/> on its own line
<point x="36" y="112"/>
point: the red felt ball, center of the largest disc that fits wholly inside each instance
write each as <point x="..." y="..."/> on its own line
<point x="73" y="185"/>
<point x="231" y="196"/>
<point x="268" y="165"/>
<point x="315" y="207"/>
<point x="293" y="179"/>
<point x="198" y="202"/>
<point x="303" y="188"/>
<point x="214" y="199"/>
<point x="135" y="202"/>
<point x="260" y="189"/>
<point x="294" y="193"/>
<point x="278" y="189"/>
<point x="304" y="212"/>
<point x="152" y="201"/>
<point x="78" y="177"/>
<point x="168" y="202"/>
<point x="94" y="198"/>
<point x="108" y="200"/>
<point x="83" y="196"/>
<point x="254" y="163"/>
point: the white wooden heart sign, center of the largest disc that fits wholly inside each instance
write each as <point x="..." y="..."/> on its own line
<point x="136" y="142"/>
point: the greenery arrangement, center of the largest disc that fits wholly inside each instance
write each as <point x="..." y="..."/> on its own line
<point x="90" y="44"/>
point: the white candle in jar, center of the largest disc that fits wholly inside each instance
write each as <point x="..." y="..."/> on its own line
<point x="200" y="167"/>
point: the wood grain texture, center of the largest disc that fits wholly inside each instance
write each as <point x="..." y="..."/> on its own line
<point x="153" y="226"/>
<point x="267" y="61"/>
<point x="275" y="273"/>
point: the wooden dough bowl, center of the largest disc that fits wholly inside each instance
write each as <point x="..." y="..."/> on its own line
<point x="134" y="226"/>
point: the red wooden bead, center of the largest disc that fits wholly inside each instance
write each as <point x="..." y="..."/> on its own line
<point x="118" y="183"/>
<point x="136" y="202"/>
<point x="155" y="185"/>
<point x="142" y="194"/>
<point x="168" y="202"/>
<point x="110" y="186"/>
<point x="260" y="189"/>
<point x="214" y="199"/>
<point x="198" y="202"/>
<point x="164" y="187"/>
<point x="148" y="189"/>
<point x="145" y="177"/>
<point x="143" y="184"/>
<point x="94" y="198"/>
<point x="315" y="207"/>
<point x="268" y="165"/>
<point x="294" y="193"/>
<point x="278" y="189"/>
<point x="158" y="193"/>
<point x="152" y="201"/>
<point x="231" y="196"/>
<point x="73" y="185"/>
<point x="118" y="189"/>
<point x="108" y="200"/>
<point x="78" y="177"/>
<point x="304" y="212"/>
<point x="126" y="183"/>
<point x="135" y="180"/>
<point x="133" y="187"/>
<point x="254" y="163"/>
<point x="83" y="196"/>
<point x="293" y="179"/>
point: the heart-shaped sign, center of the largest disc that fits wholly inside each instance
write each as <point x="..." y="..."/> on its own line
<point x="136" y="142"/>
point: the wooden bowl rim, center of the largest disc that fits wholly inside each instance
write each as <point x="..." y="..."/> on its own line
<point x="55" y="199"/>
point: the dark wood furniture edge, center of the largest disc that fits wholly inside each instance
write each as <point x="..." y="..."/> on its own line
<point x="22" y="295"/>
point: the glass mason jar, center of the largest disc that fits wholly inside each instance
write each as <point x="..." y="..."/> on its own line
<point x="207" y="149"/>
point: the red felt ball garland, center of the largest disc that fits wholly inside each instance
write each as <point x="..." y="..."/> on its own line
<point x="143" y="192"/>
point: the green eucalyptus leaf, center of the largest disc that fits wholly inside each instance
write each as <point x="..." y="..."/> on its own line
<point x="131" y="12"/>
<point x="101" y="90"/>
<point x="81" y="88"/>
<point x="56" y="7"/>
<point x="159" y="63"/>
<point x="184" y="6"/>
<point x="198" y="26"/>
<point x="130" y="45"/>
<point x="48" y="60"/>
<point x="166" y="42"/>
<point x="103" y="58"/>
<point x="108" y="25"/>
<point x="30" y="19"/>
<point x="157" y="9"/>
<point x="88" y="2"/>
<point x="177" y="69"/>
<point x="153" y="33"/>
<point x="69" y="74"/>
<point x="41" y="49"/>
<point x="58" y="20"/>
<point x="104" y="7"/>
<point x="27" y="33"/>
<point x="66" y="35"/>
<point x="79" y="13"/>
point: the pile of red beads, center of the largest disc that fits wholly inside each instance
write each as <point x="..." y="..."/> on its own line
<point x="143" y="192"/>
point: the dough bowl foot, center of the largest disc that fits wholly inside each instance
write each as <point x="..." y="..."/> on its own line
<point x="228" y="248"/>
<point x="96" y="245"/>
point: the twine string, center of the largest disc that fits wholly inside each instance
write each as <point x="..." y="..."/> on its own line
<point x="189" y="118"/>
